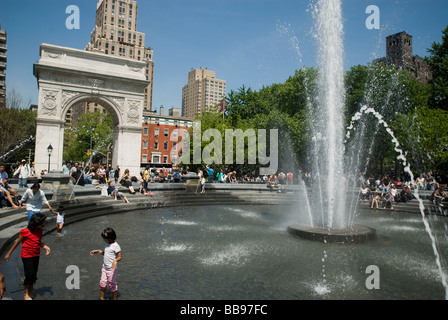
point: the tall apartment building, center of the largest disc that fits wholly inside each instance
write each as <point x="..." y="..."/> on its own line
<point x="3" y="50"/>
<point x="202" y="92"/>
<point x="115" y="33"/>
<point x="400" y="54"/>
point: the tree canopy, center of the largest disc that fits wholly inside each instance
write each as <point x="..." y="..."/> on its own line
<point x="438" y="61"/>
<point x="91" y="136"/>
<point x="414" y="111"/>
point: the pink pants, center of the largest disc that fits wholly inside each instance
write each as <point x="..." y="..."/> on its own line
<point x="109" y="277"/>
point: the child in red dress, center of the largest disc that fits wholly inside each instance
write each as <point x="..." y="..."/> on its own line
<point x="31" y="244"/>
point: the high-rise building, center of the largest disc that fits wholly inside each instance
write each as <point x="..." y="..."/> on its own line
<point x="3" y="50"/>
<point x="115" y="33"/>
<point x="202" y="92"/>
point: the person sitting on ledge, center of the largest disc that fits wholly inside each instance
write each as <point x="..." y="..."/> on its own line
<point x="388" y="199"/>
<point x="272" y="182"/>
<point x="125" y="181"/>
<point x="8" y="193"/>
<point x="112" y="190"/>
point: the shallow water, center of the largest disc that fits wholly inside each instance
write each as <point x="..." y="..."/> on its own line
<point x="215" y="252"/>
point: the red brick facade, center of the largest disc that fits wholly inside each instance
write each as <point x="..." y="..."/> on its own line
<point x="161" y="138"/>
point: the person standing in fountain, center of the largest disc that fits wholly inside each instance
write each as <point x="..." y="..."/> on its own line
<point x="31" y="239"/>
<point x="60" y="214"/>
<point x="34" y="198"/>
<point x="109" y="272"/>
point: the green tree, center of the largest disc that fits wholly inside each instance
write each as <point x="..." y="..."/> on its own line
<point x="438" y="62"/>
<point x="16" y="126"/>
<point x="91" y="136"/>
<point x="424" y="135"/>
<point x="279" y="107"/>
<point x="390" y="92"/>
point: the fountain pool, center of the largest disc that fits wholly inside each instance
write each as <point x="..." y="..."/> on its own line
<point x="238" y="253"/>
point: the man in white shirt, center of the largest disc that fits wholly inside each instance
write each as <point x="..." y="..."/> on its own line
<point x="34" y="198"/>
<point x="24" y="172"/>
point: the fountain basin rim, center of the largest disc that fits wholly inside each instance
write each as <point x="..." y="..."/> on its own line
<point x="354" y="234"/>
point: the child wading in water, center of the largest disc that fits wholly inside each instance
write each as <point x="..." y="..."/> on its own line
<point x="31" y="245"/>
<point x="109" y="272"/>
<point x="60" y="220"/>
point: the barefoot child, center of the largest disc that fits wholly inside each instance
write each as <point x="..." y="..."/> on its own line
<point x="109" y="272"/>
<point x="113" y="190"/>
<point x="59" y="220"/>
<point x="31" y="239"/>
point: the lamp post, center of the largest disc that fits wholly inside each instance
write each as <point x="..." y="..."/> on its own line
<point x="50" y="150"/>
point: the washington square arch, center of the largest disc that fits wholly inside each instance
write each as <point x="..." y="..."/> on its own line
<point x="69" y="76"/>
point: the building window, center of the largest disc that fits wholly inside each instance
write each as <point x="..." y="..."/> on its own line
<point x="145" y="158"/>
<point x="145" y="145"/>
<point x="166" y="133"/>
<point x="145" y="131"/>
<point x="156" y="132"/>
<point x="165" y="159"/>
<point x="156" y="145"/>
<point x="165" y="145"/>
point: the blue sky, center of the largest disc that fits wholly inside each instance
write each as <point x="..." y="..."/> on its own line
<point x="246" y="42"/>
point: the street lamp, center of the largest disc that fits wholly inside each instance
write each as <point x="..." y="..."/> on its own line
<point x="50" y="150"/>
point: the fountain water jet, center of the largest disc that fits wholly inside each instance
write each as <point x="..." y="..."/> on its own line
<point x="332" y="221"/>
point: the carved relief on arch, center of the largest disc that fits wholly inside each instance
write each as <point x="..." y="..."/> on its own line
<point x="54" y="55"/>
<point x="68" y="95"/>
<point x="119" y="103"/>
<point x="134" y="111"/>
<point x="135" y="68"/>
<point x="49" y="104"/>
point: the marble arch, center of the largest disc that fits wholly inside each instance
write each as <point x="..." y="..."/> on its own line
<point x="67" y="76"/>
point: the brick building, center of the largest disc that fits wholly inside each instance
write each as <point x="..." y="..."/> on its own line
<point x="161" y="140"/>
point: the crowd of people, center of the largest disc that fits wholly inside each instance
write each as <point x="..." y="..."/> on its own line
<point x="386" y="191"/>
